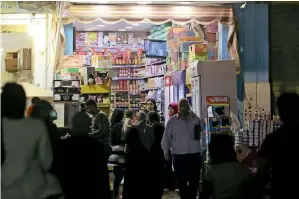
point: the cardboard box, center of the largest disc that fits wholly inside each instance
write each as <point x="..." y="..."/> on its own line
<point x="11" y="55"/>
<point x="11" y="65"/>
<point x="184" y="45"/>
<point x="198" y="56"/>
<point x="151" y="83"/>
<point x="198" y="48"/>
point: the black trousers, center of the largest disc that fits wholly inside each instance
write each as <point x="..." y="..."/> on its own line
<point x="170" y="180"/>
<point x="187" y="169"/>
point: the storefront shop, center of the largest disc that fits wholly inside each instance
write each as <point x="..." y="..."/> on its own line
<point x="115" y="40"/>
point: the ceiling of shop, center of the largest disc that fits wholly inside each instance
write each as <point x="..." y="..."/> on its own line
<point x="177" y="2"/>
<point x="100" y="26"/>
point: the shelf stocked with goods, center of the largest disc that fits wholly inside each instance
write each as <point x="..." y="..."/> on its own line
<point x="130" y="85"/>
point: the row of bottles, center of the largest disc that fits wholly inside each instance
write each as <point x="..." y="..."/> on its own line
<point x="134" y="59"/>
<point x="128" y="72"/>
<point x="258" y="115"/>
<point x="134" y="101"/>
<point x="126" y="85"/>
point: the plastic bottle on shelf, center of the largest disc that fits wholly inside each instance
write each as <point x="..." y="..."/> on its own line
<point x="136" y="60"/>
<point x="132" y="60"/>
<point x="116" y="61"/>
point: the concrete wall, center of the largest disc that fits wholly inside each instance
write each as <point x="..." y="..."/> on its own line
<point x="12" y="42"/>
<point x="284" y="49"/>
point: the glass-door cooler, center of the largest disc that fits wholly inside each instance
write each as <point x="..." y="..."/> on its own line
<point x="178" y="81"/>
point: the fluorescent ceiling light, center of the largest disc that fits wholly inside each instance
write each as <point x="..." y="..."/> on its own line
<point x="81" y="1"/>
<point x="101" y="25"/>
<point x="145" y="2"/>
<point x="121" y="30"/>
<point x="136" y="24"/>
<point x="186" y="2"/>
<point x="129" y="27"/>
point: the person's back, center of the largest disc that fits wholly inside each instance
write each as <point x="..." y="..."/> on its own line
<point x="228" y="180"/>
<point x="281" y="148"/>
<point x="82" y="168"/>
<point x="81" y="163"/>
<point x="28" y="157"/>
<point x="278" y="151"/>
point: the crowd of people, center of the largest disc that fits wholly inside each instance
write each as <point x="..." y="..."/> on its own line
<point x="147" y="154"/>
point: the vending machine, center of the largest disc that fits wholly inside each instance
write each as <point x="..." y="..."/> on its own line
<point x="212" y="78"/>
<point x="179" y="85"/>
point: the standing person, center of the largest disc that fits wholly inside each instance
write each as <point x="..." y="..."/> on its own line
<point x="157" y="162"/>
<point x="172" y="109"/>
<point x="182" y="135"/>
<point x="278" y="151"/>
<point x="151" y="105"/>
<point x="139" y="141"/>
<point x="44" y="111"/>
<point x="25" y="171"/>
<point x="34" y="100"/>
<point x="226" y="178"/>
<point x="100" y="125"/>
<point x="81" y="163"/>
<point x="117" y="157"/>
<point x="170" y="181"/>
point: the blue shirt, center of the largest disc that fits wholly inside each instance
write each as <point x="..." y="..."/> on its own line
<point x="179" y="135"/>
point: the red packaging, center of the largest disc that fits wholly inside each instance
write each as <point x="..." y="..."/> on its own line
<point x="120" y="85"/>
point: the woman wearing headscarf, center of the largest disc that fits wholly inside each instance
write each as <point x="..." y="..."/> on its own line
<point x="81" y="163"/>
<point x="139" y="141"/>
<point x="117" y="157"/>
<point x="28" y="155"/>
<point x="172" y="109"/>
<point x="156" y="169"/>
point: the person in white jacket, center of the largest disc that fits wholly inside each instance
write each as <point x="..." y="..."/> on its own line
<point x="26" y="149"/>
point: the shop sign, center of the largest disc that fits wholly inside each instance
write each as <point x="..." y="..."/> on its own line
<point x="66" y="91"/>
<point x="66" y="97"/>
<point x="66" y="83"/>
<point x="217" y="100"/>
<point x="8" y="7"/>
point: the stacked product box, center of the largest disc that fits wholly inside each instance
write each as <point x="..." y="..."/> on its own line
<point x="198" y="52"/>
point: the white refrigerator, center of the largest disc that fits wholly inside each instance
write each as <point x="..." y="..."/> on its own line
<point x="212" y="78"/>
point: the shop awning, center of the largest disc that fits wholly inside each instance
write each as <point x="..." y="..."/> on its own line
<point x="32" y="91"/>
<point x="157" y="14"/>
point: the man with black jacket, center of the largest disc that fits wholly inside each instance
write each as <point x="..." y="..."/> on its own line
<point x="100" y="127"/>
